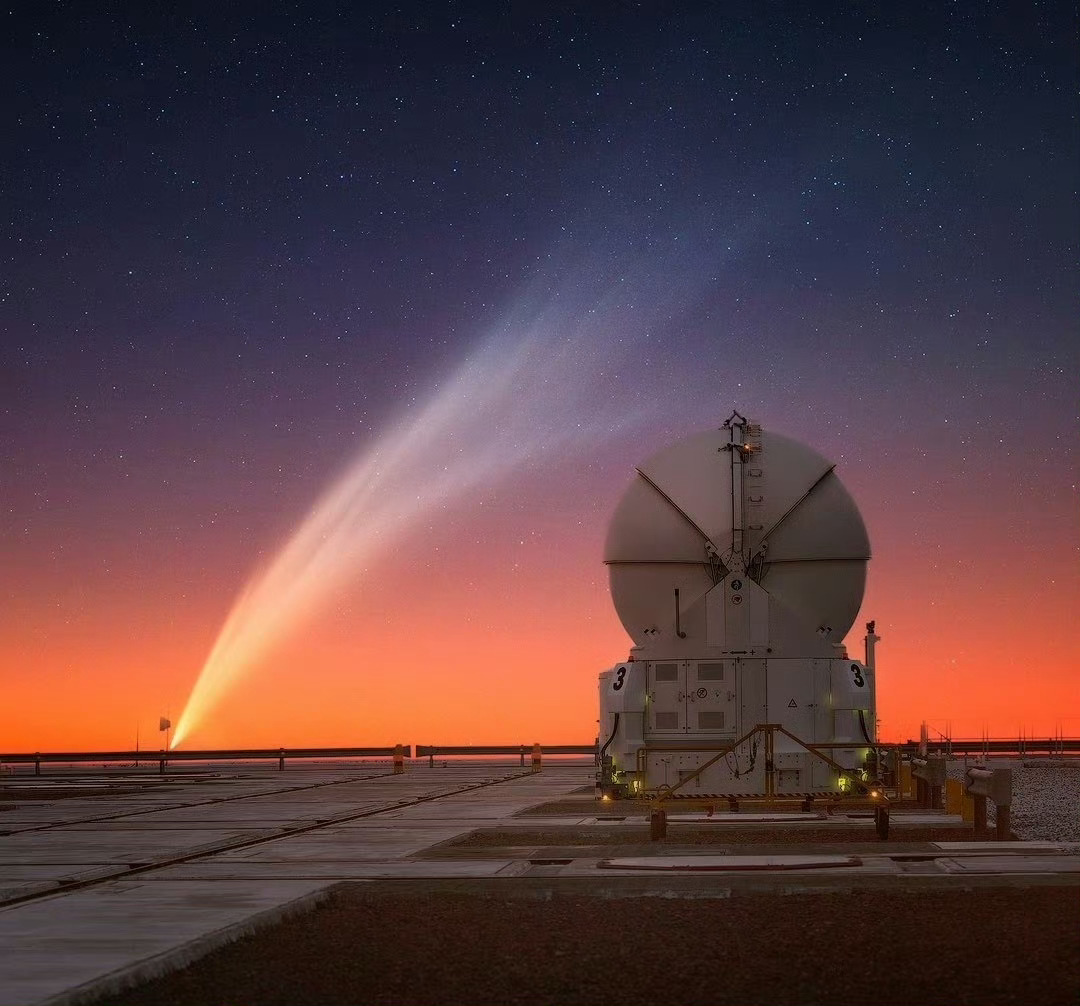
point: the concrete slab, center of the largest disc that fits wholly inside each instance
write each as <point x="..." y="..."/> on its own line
<point x="345" y="845"/>
<point x="46" y="871"/>
<point x="474" y="823"/>
<point x="606" y="822"/>
<point x="105" y="932"/>
<point x="729" y="863"/>
<point x="66" y="847"/>
<point x="329" y="870"/>
<point x="998" y="865"/>
<point x="136" y="824"/>
<point x="914" y="819"/>
<point x="989" y="847"/>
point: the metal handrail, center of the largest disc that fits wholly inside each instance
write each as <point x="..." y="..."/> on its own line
<point x="427" y="750"/>
<point x="230" y="754"/>
<point x="769" y="730"/>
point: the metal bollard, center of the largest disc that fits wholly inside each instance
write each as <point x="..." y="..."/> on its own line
<point x="658" y="825"/>
<point x="930" y="774"/>
<point x="537" y="756"/>
<point x="980" y="815"/>
<point x="522" y="755"/>
<point x="994" y="784"/>
<point x="1004" y="823"/>
<point x="399" y="759"/>
<point x="281" y="760"/>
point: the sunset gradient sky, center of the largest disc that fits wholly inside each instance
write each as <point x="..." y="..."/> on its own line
<point x="240" y="255"/>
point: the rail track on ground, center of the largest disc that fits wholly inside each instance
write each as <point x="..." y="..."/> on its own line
<point x="120" y="815"/>
<point x="122" y="872"/>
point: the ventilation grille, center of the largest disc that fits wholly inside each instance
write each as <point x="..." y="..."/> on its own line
<point x="666" y="672"/>
<point x="667" y="721"/>
<point x="712" y="720"/>
<point x="710" y="672"/>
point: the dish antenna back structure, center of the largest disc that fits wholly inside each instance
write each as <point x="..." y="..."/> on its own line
<point x="737" y="562"/>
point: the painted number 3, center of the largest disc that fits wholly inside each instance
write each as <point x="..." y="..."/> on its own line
<point x="856" y="672"/>
<point x="620" y="675"/>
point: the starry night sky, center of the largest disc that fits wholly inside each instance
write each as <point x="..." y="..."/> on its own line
<point x="238" y="247"/>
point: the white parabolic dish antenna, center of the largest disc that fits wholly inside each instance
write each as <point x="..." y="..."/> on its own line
<point x="708" y="509"/>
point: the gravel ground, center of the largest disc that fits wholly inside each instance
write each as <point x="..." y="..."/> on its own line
<point x="377" y="946"/>
<point x="1046" y="797"/>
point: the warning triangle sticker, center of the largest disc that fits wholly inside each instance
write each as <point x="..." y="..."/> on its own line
<point x="792" y="704"/>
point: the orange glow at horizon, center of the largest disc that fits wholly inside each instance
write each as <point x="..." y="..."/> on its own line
<point x="489" y="626"/>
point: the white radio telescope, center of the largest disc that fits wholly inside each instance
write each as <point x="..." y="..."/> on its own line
<point x="737" y="562"/>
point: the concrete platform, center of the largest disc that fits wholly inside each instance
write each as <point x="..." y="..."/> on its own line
<point x="116" y="888"/>
<point x="59" y="946"/>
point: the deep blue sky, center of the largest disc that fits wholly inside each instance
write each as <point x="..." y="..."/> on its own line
<point x="238" y="242"/>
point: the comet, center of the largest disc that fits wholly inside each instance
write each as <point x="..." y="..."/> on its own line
<point x="543" y="385"/>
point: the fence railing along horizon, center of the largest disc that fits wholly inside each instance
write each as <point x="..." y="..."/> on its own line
<point x="1064" y="746"/>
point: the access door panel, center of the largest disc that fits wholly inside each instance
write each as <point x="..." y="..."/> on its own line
<point x="667" y="697"/>
<point x="710" y="696"/>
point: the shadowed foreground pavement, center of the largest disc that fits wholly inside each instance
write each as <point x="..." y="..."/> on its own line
<point x="387" y="944"/>
<point x="481" y="883"/>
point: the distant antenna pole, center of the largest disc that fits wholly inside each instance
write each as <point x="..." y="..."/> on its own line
<point x="136" y="743"/>
<point x="164" y="723"/>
